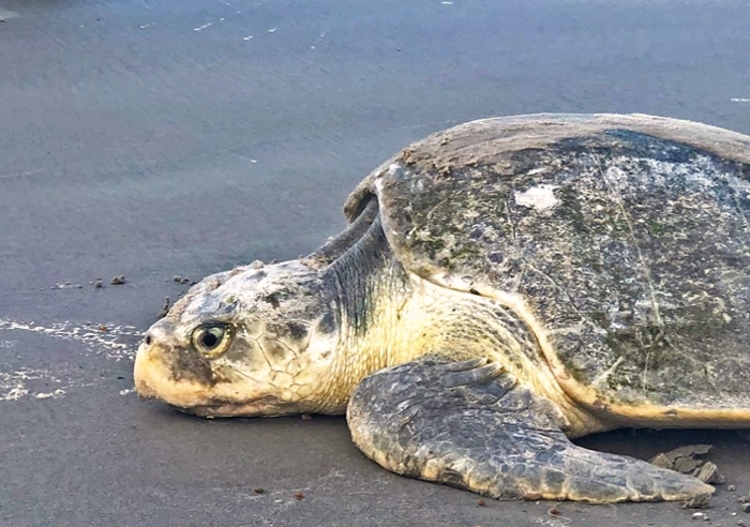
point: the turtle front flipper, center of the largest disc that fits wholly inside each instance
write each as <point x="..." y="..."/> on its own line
<point x="471" y="425"/>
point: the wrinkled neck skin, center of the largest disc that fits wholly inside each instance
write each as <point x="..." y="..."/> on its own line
<point x="371" y="288"/>
<point x="389" y="316"/>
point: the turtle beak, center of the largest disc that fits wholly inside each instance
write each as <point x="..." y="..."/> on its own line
<point x="149" y="368"/>
<point x="143" y="364"/>
<point x="154" y="371"/>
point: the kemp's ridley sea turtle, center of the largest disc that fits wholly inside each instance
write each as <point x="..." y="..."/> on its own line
<point x="502" y="286"/>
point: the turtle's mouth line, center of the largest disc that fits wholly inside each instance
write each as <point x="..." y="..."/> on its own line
<point x="152" y="382"/>
<point x="258" y="407"/>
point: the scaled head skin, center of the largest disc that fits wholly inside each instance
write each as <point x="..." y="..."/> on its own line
<point x="247" y="342"/>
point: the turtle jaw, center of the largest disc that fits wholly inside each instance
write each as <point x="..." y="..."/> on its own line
<point x="207" y="397"/>
<point x="260" y="407"/>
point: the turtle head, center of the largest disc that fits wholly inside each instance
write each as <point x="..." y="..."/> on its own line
<point x="247" y="342"/>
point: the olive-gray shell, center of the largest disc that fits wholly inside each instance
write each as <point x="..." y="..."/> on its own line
<point x="627" y="236"/>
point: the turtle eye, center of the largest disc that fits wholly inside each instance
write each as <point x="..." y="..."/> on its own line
<point x="212" y="340"/>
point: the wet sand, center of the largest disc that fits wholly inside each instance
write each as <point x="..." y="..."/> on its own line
<point x="151" y="139"/>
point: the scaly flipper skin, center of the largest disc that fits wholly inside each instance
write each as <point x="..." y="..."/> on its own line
<point x="470" y="425"/>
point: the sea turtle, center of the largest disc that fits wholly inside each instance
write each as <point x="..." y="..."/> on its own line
<point x="503" y="286"/>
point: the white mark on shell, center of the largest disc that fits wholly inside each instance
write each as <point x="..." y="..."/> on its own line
<point x="539" y="198"/>
<point x="393" y="168"/>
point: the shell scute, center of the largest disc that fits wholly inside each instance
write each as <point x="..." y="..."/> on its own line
<point x="627" y="236"/>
